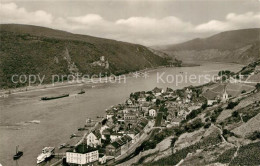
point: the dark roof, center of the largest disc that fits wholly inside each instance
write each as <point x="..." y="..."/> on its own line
<point x="107" y="131"/>
<point x="83" y="148"/>
<point x="209" y="95"/>
<point x="157" y="90"/>
<point x="146" y="104"/>
<point x="142" y="96"/>
<point x="115" y="144"/>
<point x="96" y="133"/>
<point x="121" y="141"/>
<point x="143" y="122"/>
<point x="101" y="155"/>
<point x="169" y="90"/>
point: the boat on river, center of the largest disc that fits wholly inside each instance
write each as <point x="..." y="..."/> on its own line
<point x="81" y="92"/>
<point x="18" y="154"/>
<point x="47" y="152"/>
<point x="55" y="97"/>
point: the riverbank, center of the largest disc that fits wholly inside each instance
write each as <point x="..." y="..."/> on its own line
<point x="81" y="81"/>
<point x="59" y="118"/>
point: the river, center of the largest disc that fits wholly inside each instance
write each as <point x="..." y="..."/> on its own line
<point x="56" y="120"/>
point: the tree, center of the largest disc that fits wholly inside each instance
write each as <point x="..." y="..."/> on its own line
<point x="257" y="86"/>
<point x="158" y="102"/>
<point x="174" y="139"/>
<point x="232" y="104"/>
<point x="149" y="98"/>
<point x="235" y="114"/>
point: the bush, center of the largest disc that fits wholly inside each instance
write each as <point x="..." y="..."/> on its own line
<point x="207" y="125"/>
<point x="235" y="114"/>
<point x="196" y="124"/>
<point x="193" y="114"/>
<point x="232" y="104"/>
<point x="213" y="118"/>
<point x="255" y="135"/>
<point x="257" y="86"/>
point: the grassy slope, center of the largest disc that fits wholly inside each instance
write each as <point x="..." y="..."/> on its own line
<point x="31" y="50"/>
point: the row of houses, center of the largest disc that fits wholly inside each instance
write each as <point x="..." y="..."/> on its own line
<point x="126" y="123"/>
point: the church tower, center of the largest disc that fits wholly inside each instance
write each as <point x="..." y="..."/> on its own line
<point x="225" y="94"/>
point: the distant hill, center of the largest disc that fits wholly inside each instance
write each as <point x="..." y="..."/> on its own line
<point x="239" y="46"/>
<point x="27" y="49"/>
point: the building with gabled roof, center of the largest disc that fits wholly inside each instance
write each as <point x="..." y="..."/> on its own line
<point x="82" y="155"/>
<point x="93" y="139"/>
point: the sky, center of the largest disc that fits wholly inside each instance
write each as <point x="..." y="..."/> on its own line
<point x="147" y="22"/>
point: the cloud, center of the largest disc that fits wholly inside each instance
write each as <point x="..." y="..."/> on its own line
<point x="10" y="13"/>
<point x="141" y="30"/>
<point x="87" y="19"/>
<point x="232" y="21"/>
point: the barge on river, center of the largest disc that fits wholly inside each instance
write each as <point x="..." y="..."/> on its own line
<point x="55" y="97"/>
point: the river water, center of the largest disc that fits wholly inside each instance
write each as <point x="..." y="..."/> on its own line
<point x="56" y="120"/>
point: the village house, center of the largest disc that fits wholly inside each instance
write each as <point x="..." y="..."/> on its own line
<point x="118" y="146"/>
<point x="130" y="119"/>
<point x="130" y="133"/>
<point x="145" y="107"/>
<point x="169" y="90"/>
<point x="102" y="159"/>
<point x="211" y="97"/>
<point x="152" y="112"/>
<point x="141" y="98"/>
<point x="176" y="121"/>
<point x="183" y="112"/>
<point x="106" y="133"/>
<point x="124" y="142"/>
<point x="110" y="113"/>
<point x="82" y="155"/>
<point x="113" y="149"/>
<point x="93" y="139"/>
<point x="129" y="101"/>
<point x="114" y="136"/>
<point x="157" y="91"/>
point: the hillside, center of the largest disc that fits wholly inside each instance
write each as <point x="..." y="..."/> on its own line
<point x="225" y="133"/>
<point x="239" y="46"/>
<point x="29" y="49"/>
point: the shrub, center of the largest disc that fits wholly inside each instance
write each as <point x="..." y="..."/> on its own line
<point x="232" y="104"/>
<point x="257" y="86"/>
<point x="207" y="125"/>
<point x="235" y="114"/>
<point x="243" y="91"/>
<point x="193" y="114"/>
<point x="255" y="135"/>
<point x="196" y="124"/>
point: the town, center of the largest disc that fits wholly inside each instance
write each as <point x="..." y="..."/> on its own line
<point x="128" y="124"/>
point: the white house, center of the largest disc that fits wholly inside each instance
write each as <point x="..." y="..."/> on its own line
<point x="176" y="121"/>
<point x="110" y="114"/>
<point x="82" y="158"/>
<point x="129" y="102"/>
<point x="102" y="129"/>
<point x="102" y="158"/>
<point x="93" y="139"/>
<point x="115" y="136"/>
<point x="152" y="113"/>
